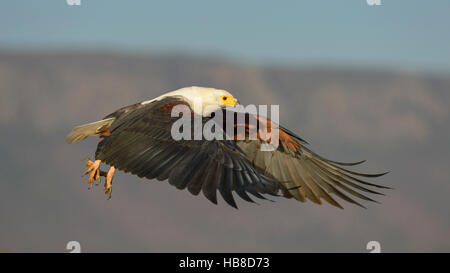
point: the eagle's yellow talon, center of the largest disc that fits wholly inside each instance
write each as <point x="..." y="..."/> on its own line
<point x="87" y="171"/>
<point x="89" y="162"/>
<point x="97" y="174"/>
<point x="93" y="170"/>
<point x="108" y="182"/>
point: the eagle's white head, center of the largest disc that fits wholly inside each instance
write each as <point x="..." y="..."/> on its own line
<point x="203" y="100"/>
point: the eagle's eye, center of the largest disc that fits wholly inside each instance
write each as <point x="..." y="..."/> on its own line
<point x="224" y="98"/>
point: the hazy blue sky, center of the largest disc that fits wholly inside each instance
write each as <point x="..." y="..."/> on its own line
<point x="406" y="34"/>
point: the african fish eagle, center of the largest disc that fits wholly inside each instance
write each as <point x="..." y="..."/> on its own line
<point x="137" y="139"/>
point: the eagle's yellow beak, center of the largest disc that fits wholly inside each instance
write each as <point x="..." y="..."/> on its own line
<point x="229" y="101"/>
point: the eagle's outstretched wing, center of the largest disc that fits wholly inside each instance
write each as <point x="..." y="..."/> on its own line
<point x="306" y="175"/>
<point x="140" y="142"/>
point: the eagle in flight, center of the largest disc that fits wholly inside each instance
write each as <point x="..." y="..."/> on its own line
<point x="138" y="139"/>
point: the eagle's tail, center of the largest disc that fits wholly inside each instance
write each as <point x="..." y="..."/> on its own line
<point x="91" y="129"/>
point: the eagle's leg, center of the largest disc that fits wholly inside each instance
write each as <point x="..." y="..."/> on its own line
<point x="94" y="170"/>
<point x="109" y="178"/>
<point x="95" y="173"/>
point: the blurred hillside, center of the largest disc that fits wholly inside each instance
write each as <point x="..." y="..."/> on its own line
<point x="398" y="121"/>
